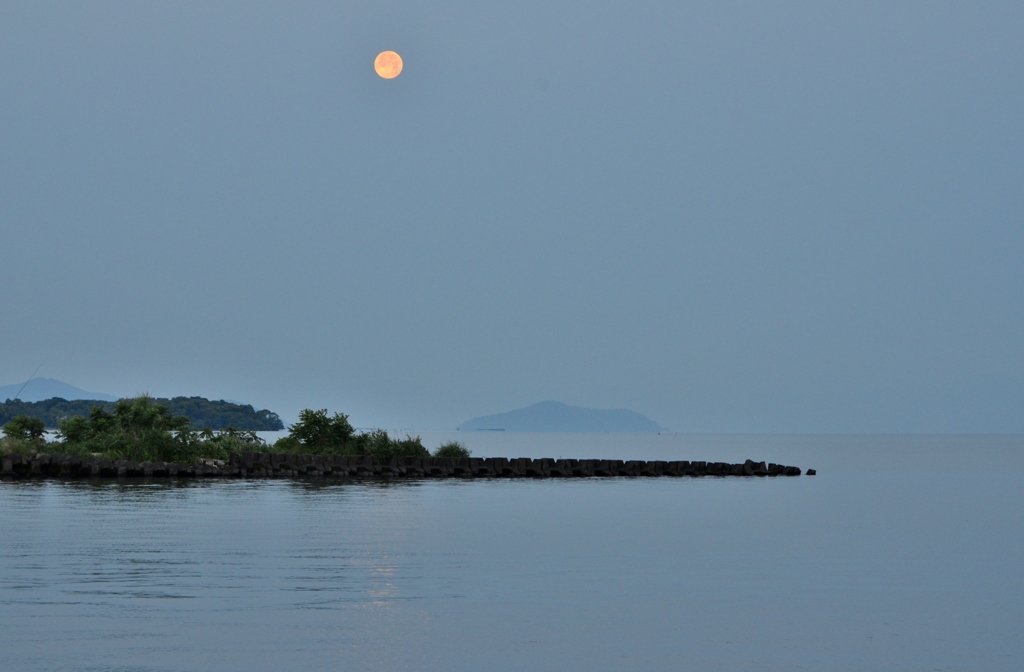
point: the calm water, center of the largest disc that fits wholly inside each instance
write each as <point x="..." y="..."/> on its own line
<point x="904" y="553"/>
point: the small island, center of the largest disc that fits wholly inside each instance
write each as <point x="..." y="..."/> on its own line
<point x="554" y="416"/>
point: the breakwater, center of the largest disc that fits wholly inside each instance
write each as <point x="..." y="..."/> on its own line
<point x="285" y="465"/>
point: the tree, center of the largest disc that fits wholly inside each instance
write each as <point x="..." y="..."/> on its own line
<point x="76" y="429"/>
<point x="134" y="429"/>
<point x="452" y="449"/>
<point x="318" y="432"/>
<point x="25" y="428"/>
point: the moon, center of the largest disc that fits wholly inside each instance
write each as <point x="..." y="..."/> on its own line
<point x="388" y="64"/>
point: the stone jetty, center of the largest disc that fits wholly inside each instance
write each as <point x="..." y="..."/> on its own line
<point x="284" y="465"/>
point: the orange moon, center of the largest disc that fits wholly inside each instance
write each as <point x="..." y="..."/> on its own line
<point x="388" y="64"/>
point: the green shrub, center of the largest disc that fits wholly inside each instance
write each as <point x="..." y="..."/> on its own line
<point x="220" y="445"/>
<point x="140" y="429"/>
<point x="409" y="447"/>
<point x="378" y="444"/>
<point x="452" y="449"/>
<point x="76" y="429"/>
<point x="136" y="429"/>
<point x="25" y="428"/>
<point x="287" y="444"/>
<point x="320" y="434"/>
<point x="12" y="446"/>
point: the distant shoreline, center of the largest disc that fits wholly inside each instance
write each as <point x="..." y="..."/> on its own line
<point x="286" y="465"/>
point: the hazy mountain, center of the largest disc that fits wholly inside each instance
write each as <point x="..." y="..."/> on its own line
<point x="39" y="389"/>
<point x="554" y="416"/>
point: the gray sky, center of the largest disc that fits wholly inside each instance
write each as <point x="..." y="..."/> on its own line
<point x="777" y="217"/>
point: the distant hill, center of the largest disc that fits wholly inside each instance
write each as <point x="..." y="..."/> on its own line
<point x="554" y="416"/>
<point x="39" y="389"/>
<point x="202" y="412"/>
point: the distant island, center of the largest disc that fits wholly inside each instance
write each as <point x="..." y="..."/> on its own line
<point x="40" y="389"/>
<point x="202" y="413"/>
<point x="554" y="416"/>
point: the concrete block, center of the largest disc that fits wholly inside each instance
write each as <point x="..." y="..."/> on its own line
<point x="675" y="468"/>
<point x="532" y="468"/>
<point x="564" y="468"/>
<point x="583" y="468"/>
<point x="461" y="467"/>
<point x="499" y="466"/>
<point x="544" y="466"/>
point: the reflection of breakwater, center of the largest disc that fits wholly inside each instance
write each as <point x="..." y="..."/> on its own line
<point x="282" y="465"/>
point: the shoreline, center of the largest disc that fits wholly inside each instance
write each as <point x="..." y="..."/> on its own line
<point x="285" y="465"/>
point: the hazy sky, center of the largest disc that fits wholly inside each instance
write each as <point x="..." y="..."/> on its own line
<point x="785" y="216"/>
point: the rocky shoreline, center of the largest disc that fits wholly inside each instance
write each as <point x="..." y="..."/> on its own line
<point x="286" y="465"/>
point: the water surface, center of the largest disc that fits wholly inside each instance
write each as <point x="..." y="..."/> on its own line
<point x="904" y="553"/>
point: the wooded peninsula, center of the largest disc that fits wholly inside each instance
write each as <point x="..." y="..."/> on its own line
<point x="202" y="413"/>
<point x="139" y="437"/>
<point x="144" y="429"/>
